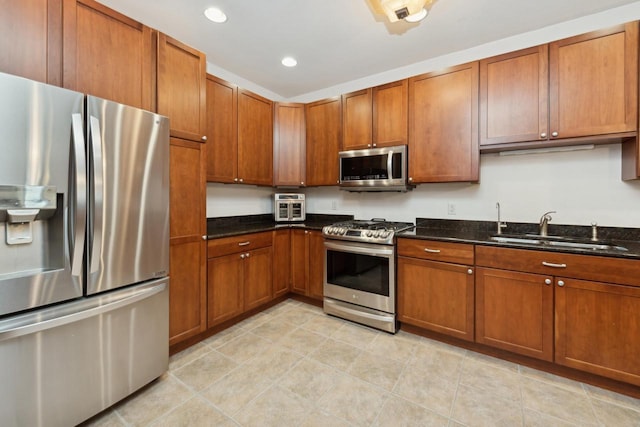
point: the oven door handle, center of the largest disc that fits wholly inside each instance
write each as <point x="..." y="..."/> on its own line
<point x="383" y="251"/>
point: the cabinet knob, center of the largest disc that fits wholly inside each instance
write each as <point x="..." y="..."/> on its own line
<point x="247" y="254"/>
<point x="204" y="137"/>
<point x="368" y="145"/>
<point x="204" y="237"/>
<point x="306" y="232"/>
<point x="554" y="134"/>
<point x="242" y="256"/>
<point x="470" y="271"/>
<point x="410" y="179"/>
<point x="561" y="283"/>
<point x="375" y="145"/>
<point x="547" y="281"/>
<point x="235" y="179"/>
<point x="543" y="135"/>
<point x="241" y="180"/>
<point x="301" y="182"/>
<point x="337" y="181"/>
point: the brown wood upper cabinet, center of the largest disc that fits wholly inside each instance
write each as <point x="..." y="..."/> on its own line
<point x="289" y="145"/>
<point x="108" y="55"/>
<point x="182" y="88"/>
<point x="324" y="141"/>
<point x="591" y="89"/>
<point x="255" y="139"/>
<point x="375" y="117"/>
<point x="222" y="130"/>
<point x="443" y="125"/>
<point x="31" y="39"/>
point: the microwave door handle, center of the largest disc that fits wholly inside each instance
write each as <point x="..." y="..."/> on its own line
<point x="389" y="165"/>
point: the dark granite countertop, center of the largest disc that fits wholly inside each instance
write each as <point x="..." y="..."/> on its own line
<point x="238" y="225"/>
<point x="479" y="232"/>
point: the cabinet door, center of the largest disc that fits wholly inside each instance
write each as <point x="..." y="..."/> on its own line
<point x="514" y="100"/>
<point x="281" y="262"/>
<point x="357" y="120"/>
<point x="258" y="277"/>
<point x="597" y="328"/>
<point x="31" y="39"/>
<point x="289" y="145"/>
<point x="222" y="130"/>
<point x="324" y="141"/>
<point x="187" y="290"/>
<point x="107" y="54"/>
<point x="594" y="83"/>
<point x="316" y="264"/>
<point x="182" y="88"/>
<point x="224" y="288"/>
<point x="255" y="139"/>
<point x="436" y="296"/>
<point x="299" y="262"/>
<point x="187" y="295"/>
<point x="514" y="311"/>
<point x="443" y="125"/>
<point x="390" y="116"/>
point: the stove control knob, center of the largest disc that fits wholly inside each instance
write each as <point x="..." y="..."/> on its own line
<point x="369" y="233"/>
<point x="376" y="234"/>
<point x="384" y="234"/>
<point x="342" y="230"/>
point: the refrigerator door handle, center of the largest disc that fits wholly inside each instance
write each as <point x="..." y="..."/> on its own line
<point x="98" y="196"/>
<point x="79" y="232"/>
<point x="33" y="323"/>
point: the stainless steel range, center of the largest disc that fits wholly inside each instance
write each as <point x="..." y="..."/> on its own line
<point x="360" y="271"/>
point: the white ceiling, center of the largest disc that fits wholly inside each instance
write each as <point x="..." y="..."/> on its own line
<point x="338" y="41"/>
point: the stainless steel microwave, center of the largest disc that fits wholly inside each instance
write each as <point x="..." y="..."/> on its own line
<point x="375" y="169"/>
<point x="289" y="207"/>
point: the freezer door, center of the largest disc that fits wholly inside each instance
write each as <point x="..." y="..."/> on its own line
<point x="42" y="194"/>
<point x="128" y="227"/>
<point x="62" y="365"/>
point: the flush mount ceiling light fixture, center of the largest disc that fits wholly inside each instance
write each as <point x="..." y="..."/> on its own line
<point x="395" y="10"/>
<point x="216" y="15"/>
<point x="289" y="61"/>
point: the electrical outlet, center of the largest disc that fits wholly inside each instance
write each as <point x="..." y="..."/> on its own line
<point x="334" y="205"/>
<point x="451" y="209"/>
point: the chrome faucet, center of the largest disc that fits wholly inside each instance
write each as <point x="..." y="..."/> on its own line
<point x="544" y="220"/>
<point x="500" y="224"/>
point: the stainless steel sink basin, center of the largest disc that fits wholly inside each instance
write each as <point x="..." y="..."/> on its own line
<point x="557" y="241"/>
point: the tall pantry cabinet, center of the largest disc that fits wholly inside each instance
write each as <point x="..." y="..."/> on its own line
<point x="181" y="94"/>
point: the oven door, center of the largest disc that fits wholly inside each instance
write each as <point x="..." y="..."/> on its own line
<point x="361" y="274"/>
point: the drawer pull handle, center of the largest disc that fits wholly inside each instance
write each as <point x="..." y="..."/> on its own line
<point x="432" y="251"/>
<point x="560" y="283"/>
<point x="550" y="264"/>
<point x="244" y="243"/>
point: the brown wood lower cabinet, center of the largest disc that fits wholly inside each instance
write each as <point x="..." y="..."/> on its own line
<point x="281" y="262"/>
<point x="239" y="275"/>
<point x="598" y="328"/>
<point x="436" y="295"/>
<point x="514" y="311"/>
<point x="307" y="263"/>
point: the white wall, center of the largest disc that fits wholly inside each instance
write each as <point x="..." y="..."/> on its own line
<point x="581" y="185"/>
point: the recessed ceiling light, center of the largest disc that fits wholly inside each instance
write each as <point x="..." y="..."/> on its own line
<point x="416" y="17"/>
<point x="216" y="15"/>
<point x="288" y="61"/>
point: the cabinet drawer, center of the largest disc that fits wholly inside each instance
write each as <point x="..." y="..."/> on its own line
<point x="589" y="267"/>
<point x="245" y="242"/>
<point x="458" y="253"/>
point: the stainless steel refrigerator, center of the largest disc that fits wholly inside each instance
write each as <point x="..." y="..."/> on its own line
<point x="84" y="252"/>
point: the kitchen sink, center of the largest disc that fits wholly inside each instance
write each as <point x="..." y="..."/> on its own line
<point x="557" y="241"/>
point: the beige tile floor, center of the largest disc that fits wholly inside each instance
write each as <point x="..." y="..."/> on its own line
<point x="294" y="366"/>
